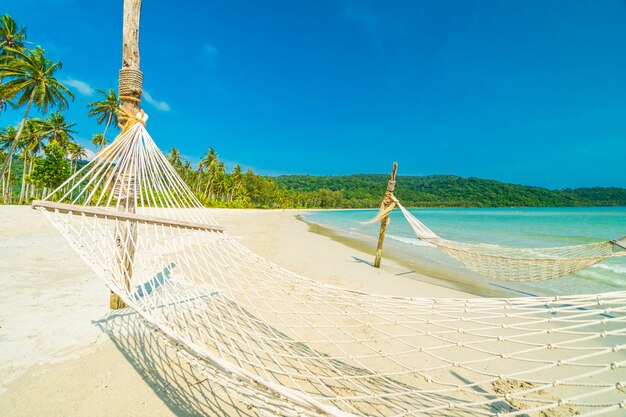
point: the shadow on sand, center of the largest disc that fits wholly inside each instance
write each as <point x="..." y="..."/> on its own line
<point x="189" y="388"/>
<point x="182" y="387"/>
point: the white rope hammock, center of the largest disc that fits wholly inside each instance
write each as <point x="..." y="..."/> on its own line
<point x="516" y="264"/>
<point x="288" y="345"/>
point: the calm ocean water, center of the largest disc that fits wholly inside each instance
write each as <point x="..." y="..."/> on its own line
<point x="520" y="227"/>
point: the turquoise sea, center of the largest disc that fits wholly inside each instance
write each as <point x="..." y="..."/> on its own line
<point x="519" y="227"/>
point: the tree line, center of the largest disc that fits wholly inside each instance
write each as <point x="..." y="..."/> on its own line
<point x="215" y="187"/>
<point x="366" y="190"/>
<point x="40" y="152"/>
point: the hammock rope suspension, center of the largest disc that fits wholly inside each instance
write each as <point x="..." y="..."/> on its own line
<point x="518" y="264"/>
<point x="284" y="344"/>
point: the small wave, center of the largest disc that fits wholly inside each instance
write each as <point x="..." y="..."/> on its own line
<point x="594" y="281"/>
<point x="411" y="241"/>
<point x="620" y="269"/>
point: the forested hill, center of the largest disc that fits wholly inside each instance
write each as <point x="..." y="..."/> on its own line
<point x="444" y="191"/>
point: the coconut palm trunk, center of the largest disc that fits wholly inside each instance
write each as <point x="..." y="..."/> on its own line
<point x="198" y="180"/>
<point x="106" y="127"/>
<point x="23" y="189"/>
<point x="17" y="137"/>
<point x="209" y="186"/>
<point x="126" y="202"/>
<point x="7" y="183"/>
<point x="30" y="188"/>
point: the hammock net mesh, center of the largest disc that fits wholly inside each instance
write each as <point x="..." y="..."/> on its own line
<point x="288" y="345"/>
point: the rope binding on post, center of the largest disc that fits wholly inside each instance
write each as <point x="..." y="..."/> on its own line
<point x="131" y="82"/>
<point x="130" y="90"/>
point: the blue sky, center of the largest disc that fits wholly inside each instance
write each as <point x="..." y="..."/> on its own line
<point x="530" y="92"/>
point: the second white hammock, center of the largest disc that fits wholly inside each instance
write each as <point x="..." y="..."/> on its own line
<point x="518" y="264"/>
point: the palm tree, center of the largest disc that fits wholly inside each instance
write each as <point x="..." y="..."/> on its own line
<point x="107" y="109"/>
<point x="57" y="129"/>
<point x="11" y="37"/>
<point x="32" y="139"/>
<point x="31" y="80"/>
<point x="99" y="140"/>
<point x="77" y="153"/>
<point x="34" y="135"/>
<point x="219" y="180"/>
<point x="199" y="173"/>
<point x="6" y="142"/>
<point x="174" y="157"/>
<point x="237" y="181"/>
<point x="6" y="139"/>
<point x="187" y="169"/>
<point x="208" y="163"/>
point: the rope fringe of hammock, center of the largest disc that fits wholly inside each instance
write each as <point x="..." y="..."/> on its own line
<point x="381" y="214"/>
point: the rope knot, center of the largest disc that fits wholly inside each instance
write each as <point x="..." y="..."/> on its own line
<point x="128" y="119"/>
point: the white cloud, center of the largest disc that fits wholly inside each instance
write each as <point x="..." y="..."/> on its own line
<point x="90" y="154"/>
<point x="209" y="55"/>
<point x="82" y="87"/>
<point x="161" y="105"/>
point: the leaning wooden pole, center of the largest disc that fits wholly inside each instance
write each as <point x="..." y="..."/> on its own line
<point x="387" y="201"/>
<point x="130" y="90"/>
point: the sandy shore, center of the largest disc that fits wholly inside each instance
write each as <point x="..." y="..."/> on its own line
<point x="61" y="355"/>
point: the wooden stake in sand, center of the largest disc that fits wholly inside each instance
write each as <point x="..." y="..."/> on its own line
<point x="387" y="202"/>
<point x="130" y="89"/>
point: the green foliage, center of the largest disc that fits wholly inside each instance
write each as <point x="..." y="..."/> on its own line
<point x="52" y="170"/>
<point x="16" y="174"/>
<point x="56" y="129"/>
<point x="27" y="78"/>
<point x="11" y="36"/>
<point x="105" y="111"/>
<point x="358" y="191"/>
<point x="31" y="79"/>
<point x="99" y="140"/>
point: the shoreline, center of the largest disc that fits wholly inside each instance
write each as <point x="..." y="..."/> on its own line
<point x="435" y="276"/>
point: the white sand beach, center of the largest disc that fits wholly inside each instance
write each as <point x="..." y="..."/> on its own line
<point x="58" y="357"/>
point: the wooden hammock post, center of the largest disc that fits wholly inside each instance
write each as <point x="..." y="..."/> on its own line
<point x="387" y="201"/>
<point x="130" y="89"/>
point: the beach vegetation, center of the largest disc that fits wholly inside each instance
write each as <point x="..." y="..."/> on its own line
<point x="105" y="111"/>
<point x="50" y="171"/>
<point x="11" y="39"/>
<point x="57" y="129"/>
<point x="76" y="153"/>
<point x="29" y="79"/>
<point x="99" y="140"/>
<point x="366" y="190"/>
